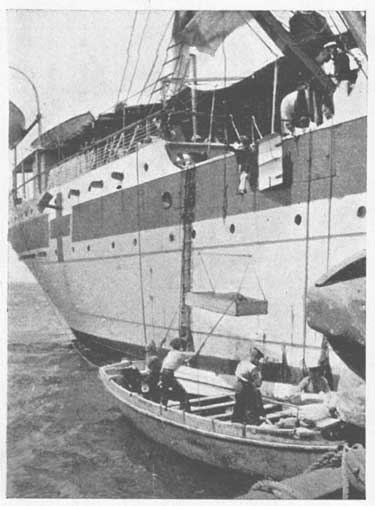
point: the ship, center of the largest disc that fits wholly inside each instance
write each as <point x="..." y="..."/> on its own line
<point x="133" y="223"/>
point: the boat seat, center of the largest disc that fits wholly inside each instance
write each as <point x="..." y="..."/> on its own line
<point x="202" y="400"/>
<point x="281" y="413"/>
<point x="210" y="407"/>
<point x="269" y="407"/>
<point x="327" y="423"/>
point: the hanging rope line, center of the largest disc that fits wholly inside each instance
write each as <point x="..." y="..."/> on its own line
<point x="140" y="265"/>
<point x="259" y="36"/>
<point x="155" y="58"/>
<point x="248" y="256"/>
<point x="208" y="276"/>
<point x="307" y="246"/>
<point x="127" y="56"/>
<point x="138" y="55"/>
<point x="170" y="325"/>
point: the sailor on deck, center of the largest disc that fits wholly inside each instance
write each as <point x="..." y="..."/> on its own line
<point x="247" y="163"/>
<point x="248" y="407"/>
<point x="170" y="387"/>
<point x="339" y="65"/>
<point x="296" y="109"/>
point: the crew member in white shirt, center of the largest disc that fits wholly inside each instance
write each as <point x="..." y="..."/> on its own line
<point x="170" y="387"/>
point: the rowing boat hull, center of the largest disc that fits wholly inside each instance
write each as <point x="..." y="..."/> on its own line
<point x="225" y="445"/>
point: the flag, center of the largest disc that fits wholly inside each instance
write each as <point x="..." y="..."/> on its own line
<point x="206" y="30"/>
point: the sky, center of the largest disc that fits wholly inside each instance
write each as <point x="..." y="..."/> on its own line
<point x="76" y="60"/>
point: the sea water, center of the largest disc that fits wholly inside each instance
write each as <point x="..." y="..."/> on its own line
<point x="66" y="438"/>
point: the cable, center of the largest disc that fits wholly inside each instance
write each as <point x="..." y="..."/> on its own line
<point x="138" y="55"/>
<point x="127" y="56"/>
<point x="258" y="35"/>
<point x="155" y="58"/>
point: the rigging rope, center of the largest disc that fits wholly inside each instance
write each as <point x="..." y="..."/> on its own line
<point x="307" y="244"/>
<point x="140" y="255"/>
<point x="127" y="56"/>
<point x="155" y="59"/>
<point x="138" y="55"/>
<point x="258" y="36"/>
<point x="205" y="268"/>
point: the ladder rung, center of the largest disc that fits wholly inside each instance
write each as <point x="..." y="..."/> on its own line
<point x="170" y="61"/>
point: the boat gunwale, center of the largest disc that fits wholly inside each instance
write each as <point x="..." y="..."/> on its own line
<point x="111" y="387"/>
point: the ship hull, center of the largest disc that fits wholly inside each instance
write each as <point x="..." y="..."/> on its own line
<point x="272" y="243"/>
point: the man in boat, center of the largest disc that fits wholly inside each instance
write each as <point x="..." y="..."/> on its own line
<point x="247" y="163"/>
<point x="248" y="407"/>
<point x="315" y="382"/>
<point x="150" y="379"/>
<point x="151" y="374"/>
<point x="170" y="387"/>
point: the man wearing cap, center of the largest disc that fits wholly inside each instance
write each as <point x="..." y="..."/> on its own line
<point x="247" y="163"/>
<point x="314" y="383"/>
<point x="170" y="387"/>
<point x="248" y="407"/>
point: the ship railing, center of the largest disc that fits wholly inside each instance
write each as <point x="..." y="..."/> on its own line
<point x="104" y="151"/>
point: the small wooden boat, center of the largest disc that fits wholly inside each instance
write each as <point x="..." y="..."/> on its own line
<point x="207" y="434"/>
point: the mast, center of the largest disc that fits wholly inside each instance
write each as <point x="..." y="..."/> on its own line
<point x="194" y="96"/>
<point x="187" y="219"/>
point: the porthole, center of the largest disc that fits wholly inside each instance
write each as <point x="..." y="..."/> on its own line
<point x="135" y="242"/>
<point x="193" y="234"/>
<point x="298" y="219"/>
<point x="118" y="187"/>
<point x="361" y="211"/>
<point x="88" y="247"/>
<point x="113" y="244"/>
<point x="166" y="199"/>
<point x="232" y="229"/>
<point x="171" y="237"/>
<point x="146" y="167"/>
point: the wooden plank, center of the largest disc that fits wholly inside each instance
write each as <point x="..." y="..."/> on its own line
<point x="202" y="400"/>
<point x="210" y="407"/>
<point x="326" y="423"/>
<point x="279" y="414"/>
